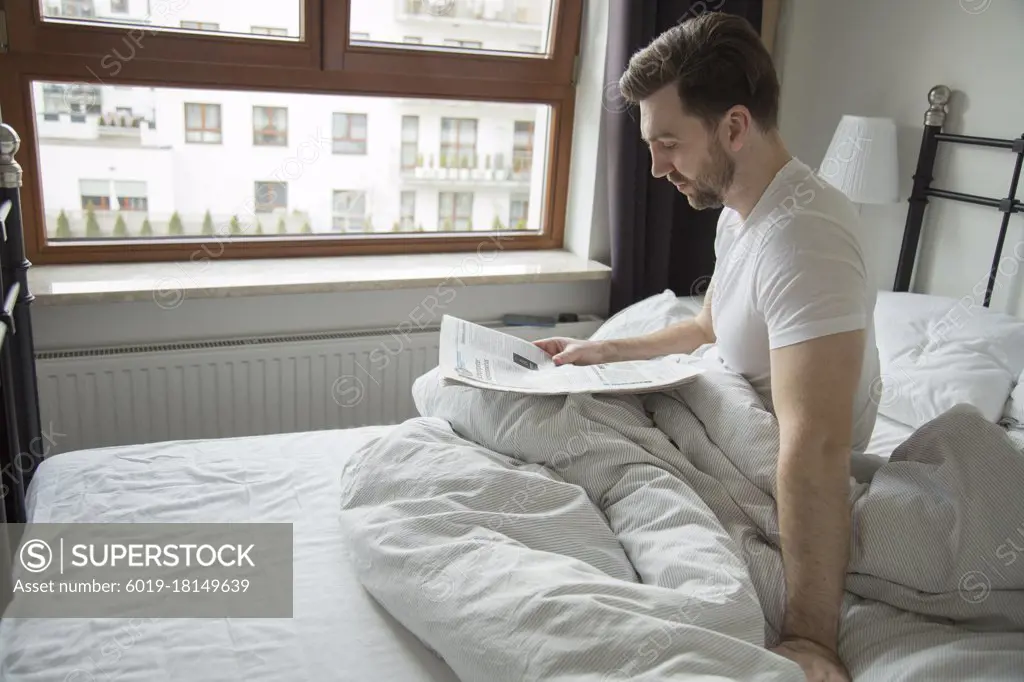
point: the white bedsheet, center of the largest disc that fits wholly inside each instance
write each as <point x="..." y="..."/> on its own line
<point x="338" y="631"/>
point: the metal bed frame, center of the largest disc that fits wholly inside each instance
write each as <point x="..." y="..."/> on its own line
<point x="934" y="118"/>
<point x="21" y="442"/>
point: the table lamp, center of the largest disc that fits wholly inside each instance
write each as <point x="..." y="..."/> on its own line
<point x="861" y="160"/>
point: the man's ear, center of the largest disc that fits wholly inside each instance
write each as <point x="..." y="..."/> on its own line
<point x="737" y="124"/>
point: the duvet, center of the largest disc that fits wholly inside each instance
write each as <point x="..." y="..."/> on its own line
<point x="635" y="538"/>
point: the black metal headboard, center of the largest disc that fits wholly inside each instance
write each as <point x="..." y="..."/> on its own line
<point x="934" y="118"/>
<point x="21" y="445"/>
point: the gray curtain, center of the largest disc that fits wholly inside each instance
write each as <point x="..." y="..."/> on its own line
<point x="657" y="241"/>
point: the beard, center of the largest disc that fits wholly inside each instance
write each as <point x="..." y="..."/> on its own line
<point x="708" y="188"/>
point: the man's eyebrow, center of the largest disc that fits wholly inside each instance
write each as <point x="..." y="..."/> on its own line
<point x="657" y="136"/>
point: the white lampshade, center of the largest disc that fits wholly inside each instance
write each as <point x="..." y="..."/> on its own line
<point x="861" y="161"/>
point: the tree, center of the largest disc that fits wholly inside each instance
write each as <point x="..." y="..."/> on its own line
<point x="63" y="226"/>
<point x="120" y="227"/>
<point x="147" y="229"/>
<point x="306" y="229"/>
<point x="259" y="226"/>
<point x="174" y="227"/>
<point x="92" y="226"/>
<point x="521" y="225"/>
<point x="236" y="228"/>
<point x="208" y="223"/>
<point x="282" y="228"/>
<point x="497" y="225"/>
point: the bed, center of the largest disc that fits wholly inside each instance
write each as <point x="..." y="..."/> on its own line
<point x="338" y="630"/>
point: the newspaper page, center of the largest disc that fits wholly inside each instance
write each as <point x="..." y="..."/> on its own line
<point x="478" y="356"/>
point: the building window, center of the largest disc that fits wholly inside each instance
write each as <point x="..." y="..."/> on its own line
<point x="463" y="44"/>
<point x="85" y="9"/>
<point x="202" y="123"/>
<point x="103" y="195"/>
<point x="412" y="40"/>
<point x="200" y="25"/>
<point x="455" y="211"/>
<point x="522" y="149"/>
<point x="408" y="219"/>
<point x="119" y="6"/>
<point x="67" y="99"/>
<point x="410" y="141"/>
<point x="268" y="31"/>
<point x="350" y="211"/>
<point x="349" y="134"/>
<point x="519" y="209"/>
<point x="270" y="126"/>
<point x="458" y="142"/>
<point x="271" y="196"/>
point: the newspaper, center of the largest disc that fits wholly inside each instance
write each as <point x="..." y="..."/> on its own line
<point x="478" y="356"/>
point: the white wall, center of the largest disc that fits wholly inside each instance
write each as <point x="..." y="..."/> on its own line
<point x="880" y="58"/>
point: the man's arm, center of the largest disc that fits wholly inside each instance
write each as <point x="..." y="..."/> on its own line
<point x="813" y="388"/>
<point x="682" y="337"/>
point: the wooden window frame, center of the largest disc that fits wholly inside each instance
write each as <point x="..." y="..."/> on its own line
<point x="220" y="123"/>
<point x="322" y="60"/>
<point x="281" y="135"/>
<point x="522" y="152"/>
<point x="459" y="155"/>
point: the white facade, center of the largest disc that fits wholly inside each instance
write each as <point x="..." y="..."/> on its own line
<point x="133" y="135"/>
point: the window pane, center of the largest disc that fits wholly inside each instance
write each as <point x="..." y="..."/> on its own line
<point x="165" y="157"/>
<point x="278" y="18"/>
<point x="513" y="26"/>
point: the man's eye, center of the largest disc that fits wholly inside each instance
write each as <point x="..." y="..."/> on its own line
<point x="669" y="145"/>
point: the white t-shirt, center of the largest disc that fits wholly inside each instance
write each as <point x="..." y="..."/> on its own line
<point x="794" y="271"/>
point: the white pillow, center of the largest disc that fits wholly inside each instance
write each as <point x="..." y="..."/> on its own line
<point x="1013" y="415"/>
<point x="936" y="352"/>
<point x="649" y="315"/>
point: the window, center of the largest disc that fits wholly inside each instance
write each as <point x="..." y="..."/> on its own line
<point x="350" y="211"/>
<point x="410" y="142"/>
<point x="95" y="194"/>
<point x="270" y="126"/>
<point x="519" y="209"/>
<point x="271" y="196"/>
<point x="103" y="195"/>
<point x="200" y="25"/>
<point x="408" y="217"/>
<point x="522" y="149"/>
<point x="187" y="15"/>
<point x="458" y="142"/>
<point x="447" y="19"/>
<point x="74" y="8"/>
<point x="349" y="134"/>
<point x="357" y="37"/>
<point x="464" y="44"/>
<point x="310" y="93"/>
<point x="268" y="31"/>
<point x="202" y="123"/>
<point x="455" y="211"/>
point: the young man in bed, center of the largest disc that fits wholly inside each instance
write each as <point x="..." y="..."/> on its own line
<point x="790" y="305"/>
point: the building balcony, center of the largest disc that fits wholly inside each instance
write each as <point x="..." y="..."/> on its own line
<point x="491" y="13"/>
<point x="91" y="129"/>
<point x="499" y="178"/>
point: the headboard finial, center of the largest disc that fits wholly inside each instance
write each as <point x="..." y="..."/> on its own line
<point x="10" y="171"/>
<point x="938" y="98"/>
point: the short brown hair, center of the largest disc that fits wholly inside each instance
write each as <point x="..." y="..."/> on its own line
<point x="717" y="61"/>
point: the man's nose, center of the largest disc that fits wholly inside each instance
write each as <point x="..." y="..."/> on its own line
<point x="660" y="166"/>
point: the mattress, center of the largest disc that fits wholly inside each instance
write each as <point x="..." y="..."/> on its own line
<point x="337" y="633"/>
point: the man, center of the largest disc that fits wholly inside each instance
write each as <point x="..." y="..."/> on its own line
<point x="790" y="304"/>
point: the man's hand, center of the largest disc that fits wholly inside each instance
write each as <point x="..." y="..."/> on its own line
<point x="818" y="663"/>
<point x="565" y="351"/>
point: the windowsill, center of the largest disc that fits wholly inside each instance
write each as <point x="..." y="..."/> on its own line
<point x="168" y="284"/>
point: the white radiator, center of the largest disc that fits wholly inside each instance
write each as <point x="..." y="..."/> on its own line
<point x="241" y="387"/>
